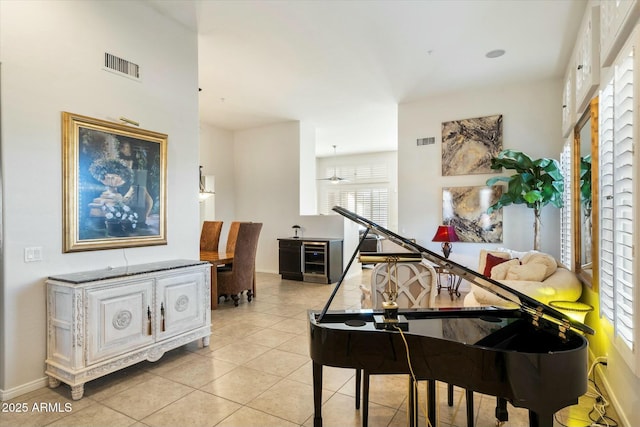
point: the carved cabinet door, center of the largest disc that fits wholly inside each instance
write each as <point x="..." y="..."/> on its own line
<point x="181" y="304"/>
<point x="119" y="319"/>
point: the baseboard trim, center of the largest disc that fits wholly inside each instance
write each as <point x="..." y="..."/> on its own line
<point x="23" y="389"/>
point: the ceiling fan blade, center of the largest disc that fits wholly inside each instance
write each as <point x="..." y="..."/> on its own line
<point x="333" y="179"/>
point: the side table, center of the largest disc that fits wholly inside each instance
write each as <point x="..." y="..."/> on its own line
<point x="451" y="282"/>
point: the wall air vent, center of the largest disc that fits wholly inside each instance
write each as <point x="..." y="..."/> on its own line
<point x="426" y="141"/>
<point x="121" y="66"/>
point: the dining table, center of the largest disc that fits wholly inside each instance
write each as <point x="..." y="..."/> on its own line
<point x="215" y="258"/>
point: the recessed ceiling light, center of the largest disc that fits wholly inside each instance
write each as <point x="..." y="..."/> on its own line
<point x="495" y="53"/>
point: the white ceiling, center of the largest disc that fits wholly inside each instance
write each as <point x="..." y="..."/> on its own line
<point x="345" y="65"/>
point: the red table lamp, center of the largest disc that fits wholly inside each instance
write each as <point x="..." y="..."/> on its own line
<point x="446" y="234"/>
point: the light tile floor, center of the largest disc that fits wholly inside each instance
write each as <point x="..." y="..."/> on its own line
<point x="256" y="372"/>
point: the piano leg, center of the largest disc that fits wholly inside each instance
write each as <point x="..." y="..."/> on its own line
<point x="502" y="415"/>
<point x="469" y="394"/>
<point x="365" y="399"/>
<point x="317" y="395"/>
<point x="540" y="420"/>
<point x="413" y="403"/>
<point x="431" y="402"/>
<point x="469" y="397"/>
<point x="358" y="381"/>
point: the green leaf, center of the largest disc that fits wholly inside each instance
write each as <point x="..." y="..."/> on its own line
<point x="496" y="179"/>
<point x="535" y="183"/>
<point x="532" y="196"/>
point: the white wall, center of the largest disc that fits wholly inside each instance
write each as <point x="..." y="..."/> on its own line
<point x="531" y="123"/>
<point x="308" y="189"/>
<point x="267" y="176"/>
<point x="51" y="54"/>
<point x="217" y="159"/>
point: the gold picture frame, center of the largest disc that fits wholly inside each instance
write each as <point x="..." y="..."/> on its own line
<point x="114" y="183"/>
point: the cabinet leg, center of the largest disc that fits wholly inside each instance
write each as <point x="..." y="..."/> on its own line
<point x="205" y="341"/>
<point x="77" y="391"/>
<point x="53" y="382"/>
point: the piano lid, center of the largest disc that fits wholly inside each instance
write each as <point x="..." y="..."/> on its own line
<point x="533" y="308"/>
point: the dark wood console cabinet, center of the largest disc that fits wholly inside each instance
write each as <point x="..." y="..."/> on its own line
<point x="290" y="258"/>
<point x="317" y="260"/>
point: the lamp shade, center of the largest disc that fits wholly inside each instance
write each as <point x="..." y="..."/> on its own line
<point x="574" y="309"/>
<point x="445" y="233"/>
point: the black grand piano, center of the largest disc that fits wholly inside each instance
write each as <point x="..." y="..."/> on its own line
<point x="528" y="354"/>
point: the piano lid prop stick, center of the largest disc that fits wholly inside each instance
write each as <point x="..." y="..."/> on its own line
<point x="344" y="273"/>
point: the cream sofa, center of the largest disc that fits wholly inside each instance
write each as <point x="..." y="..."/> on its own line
<point x="532" y="273"/>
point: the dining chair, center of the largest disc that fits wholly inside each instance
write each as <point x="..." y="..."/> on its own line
<point x="241" y="276"/>
<point x="232" y="236"/>
<point x="210" y="235"/>
<point x="416" y="284"/>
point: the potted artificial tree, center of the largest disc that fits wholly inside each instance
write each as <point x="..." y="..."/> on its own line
<point x="536" y="183"/>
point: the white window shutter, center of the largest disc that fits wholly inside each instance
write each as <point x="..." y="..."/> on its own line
<point x="566" y="233"/>
<point x="618" y="129"/>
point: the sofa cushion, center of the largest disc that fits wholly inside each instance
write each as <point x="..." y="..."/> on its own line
<point x="499" y="272"/>
<point x="535" y="257"/>
<point x="532" y="271"/>
<point x="512" y="253"/>
<point x="488" y="260"/>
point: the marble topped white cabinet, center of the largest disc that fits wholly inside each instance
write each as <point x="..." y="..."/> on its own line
<point x="101" y="321"/>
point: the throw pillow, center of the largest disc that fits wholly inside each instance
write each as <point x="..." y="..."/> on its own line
<point x="547" y="260"/>
<point x="482" y="258"/>
<point x="499" y="272"/>
<point x="533" y="272"/>
<point x="491" y="262"/>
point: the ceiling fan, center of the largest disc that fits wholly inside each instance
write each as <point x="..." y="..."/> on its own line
<point x="334" y="179"/>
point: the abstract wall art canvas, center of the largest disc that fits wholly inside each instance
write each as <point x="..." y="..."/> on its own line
<point x="466" y="209"/>
<point x="468" y="145"/>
